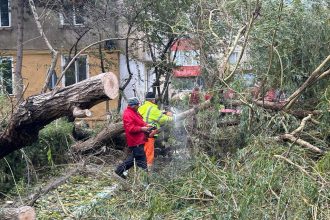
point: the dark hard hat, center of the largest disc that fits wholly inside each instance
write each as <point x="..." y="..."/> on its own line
<point x="150" y="95"/>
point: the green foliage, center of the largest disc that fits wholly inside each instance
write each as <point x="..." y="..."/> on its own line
<point x="4" y="111"/>
<point x="184" y="83"/>
<point x="323" y="165"/>
<point x="252" y="184"/>
<point x="299" y="34"/>
<point x="51" y="148"/>
<point x="181" y="103"/>
<point x="324" y="106"/>
<point x="53" y="144"/>
<point x="212" y="133"/>
<point x="162" y="23"/>
<point x="158" y="20"/>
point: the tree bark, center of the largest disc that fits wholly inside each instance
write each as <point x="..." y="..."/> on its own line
<point x="109" y="132"/>
<point x="301" y="142"/>
<point x="39" y="110"/>
<point x="18" y="80"/>
<point x="101" y="139"/>
<point x="22" y="213"/>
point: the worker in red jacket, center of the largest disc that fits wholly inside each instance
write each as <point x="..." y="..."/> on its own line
<point x="194" y="97"/>
<point x="135" y="130"/>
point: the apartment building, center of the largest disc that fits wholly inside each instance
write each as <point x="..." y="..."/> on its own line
<point x="69" y="26"/>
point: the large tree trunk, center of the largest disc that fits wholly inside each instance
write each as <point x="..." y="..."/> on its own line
<point x="39" y="110"/>
<point x="101" y="139"/>
<point x="22" y="213"/>
<point x="109" y="132"/>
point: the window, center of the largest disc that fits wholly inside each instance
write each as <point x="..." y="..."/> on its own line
<point x="186" y="57"/>
<point x="6" y="75"/>
<point x="53" y="80"/>
<point x="4" y="13"/>
<point x="78" y="71"/>
<point x="233" y="58"/>
<point x="72" y="15"/>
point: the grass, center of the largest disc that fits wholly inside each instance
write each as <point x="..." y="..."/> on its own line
<point x="252" y="184"/>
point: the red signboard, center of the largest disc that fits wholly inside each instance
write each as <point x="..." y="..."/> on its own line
<point x="187" y="71"/>
<point x="185" y="53"/>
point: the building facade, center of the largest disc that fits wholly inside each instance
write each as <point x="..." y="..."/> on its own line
<point x="69" y="27"/>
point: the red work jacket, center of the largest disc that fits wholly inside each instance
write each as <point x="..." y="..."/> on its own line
<point x="194" y="98"/>
<point x="132" y="124"/>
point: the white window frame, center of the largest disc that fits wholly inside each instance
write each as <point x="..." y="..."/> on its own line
<point x="9" y="15"/>
<point x="75" y="68"/>
<point x="62" y="20"/>
<point x="53" y="80"/>
<point x="75" y="20"/>
<point x="12" y="74"/>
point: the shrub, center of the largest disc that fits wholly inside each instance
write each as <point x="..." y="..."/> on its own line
<point x="4" y="111"/>
<point x="51" y="148"/>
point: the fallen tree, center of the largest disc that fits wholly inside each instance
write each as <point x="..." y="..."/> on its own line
<point x="101" y="139"/>
<point x="294" y="137"/>
<point x="277" y="106"/>
<point x="39" y="110"/>
<point x="112" y="130"/>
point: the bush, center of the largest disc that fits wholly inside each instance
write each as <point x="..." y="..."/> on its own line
<point x="51" y="148"/>
<point x="53" y="144"/>
<point x="4" y="111"/>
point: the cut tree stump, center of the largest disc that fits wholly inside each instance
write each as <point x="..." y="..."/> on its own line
<point x="22" y="213"/>
<point x="39" y="110"/>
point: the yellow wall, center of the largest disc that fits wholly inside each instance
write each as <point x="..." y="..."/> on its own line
<point x="35" y="66"/>
<point x="100" y="110"/>
<point x="34" y="71"/>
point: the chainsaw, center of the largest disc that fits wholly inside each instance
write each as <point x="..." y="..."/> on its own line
<point x="152" y="131"/>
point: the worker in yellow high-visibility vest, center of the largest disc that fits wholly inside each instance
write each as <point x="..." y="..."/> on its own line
<point x="154" y="116"/>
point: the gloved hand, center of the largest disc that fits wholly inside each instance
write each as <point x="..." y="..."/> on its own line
<point x="145" y="129"/>
<point x="169" y="114"/>
<point x="153" y="132"/>
<point x="148" y="128"/>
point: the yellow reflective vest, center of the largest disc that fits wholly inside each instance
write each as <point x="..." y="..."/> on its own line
<point x="152" y="115"/>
